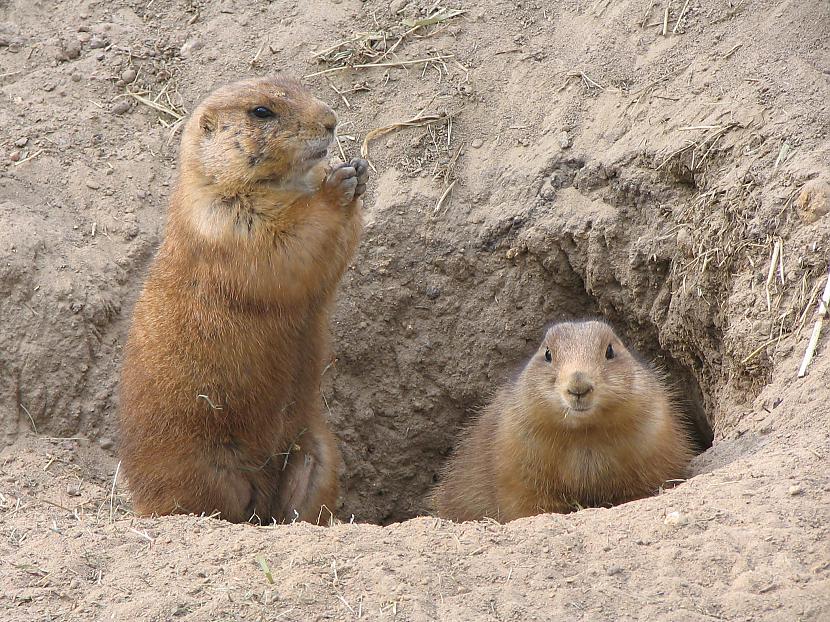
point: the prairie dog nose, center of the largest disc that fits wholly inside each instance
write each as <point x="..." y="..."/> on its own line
<point x="580" y="385"/>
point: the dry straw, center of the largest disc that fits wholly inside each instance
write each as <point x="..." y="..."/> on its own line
<point x="824" y="303"/>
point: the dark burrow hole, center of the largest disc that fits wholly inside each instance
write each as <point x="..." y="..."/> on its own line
<point x="577" y="304"/>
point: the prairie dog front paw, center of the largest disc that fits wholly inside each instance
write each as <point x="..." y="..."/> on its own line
<point x="341" y="183"/>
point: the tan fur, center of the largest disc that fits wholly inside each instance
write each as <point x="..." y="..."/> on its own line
<point x="533" y="450"/>
<point x="220" y="403"/>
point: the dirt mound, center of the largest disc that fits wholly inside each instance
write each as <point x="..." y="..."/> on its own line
<point x="569" y="159"/>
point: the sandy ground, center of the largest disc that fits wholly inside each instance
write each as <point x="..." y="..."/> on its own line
<point x="572" y="159"/>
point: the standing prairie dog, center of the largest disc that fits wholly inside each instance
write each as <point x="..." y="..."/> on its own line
<point x="220" y="403"/>
<point x="586" y="423"/>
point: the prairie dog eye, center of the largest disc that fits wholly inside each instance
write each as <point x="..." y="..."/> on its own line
<point x="609" y="352"/>
<point x="548" y="356"/>
<point x="261" y="112"/>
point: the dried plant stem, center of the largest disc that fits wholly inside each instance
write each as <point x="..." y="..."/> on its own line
<point x="443" y="197"/>
<point x="26" y="410"/>
<point x="31" y="157"/>
<point x="417" y="121"/>
<point x="648" y="12"/>
<point x="156" y="106"/>
<point x="680" y="17"/>
<point x="822" y="313"/>
<point x="773" y="263"/>
<point x="112" y="490"/>
<point x="400" y="63"/>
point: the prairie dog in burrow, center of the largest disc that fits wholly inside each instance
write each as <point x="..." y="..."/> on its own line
<point x="586" y="423"/>
<point x="220" y="402"/>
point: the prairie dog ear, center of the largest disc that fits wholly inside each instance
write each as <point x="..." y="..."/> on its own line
<point x="208" y="122"/>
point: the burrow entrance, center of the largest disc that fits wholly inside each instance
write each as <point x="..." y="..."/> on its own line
<point x="420" y="354"/>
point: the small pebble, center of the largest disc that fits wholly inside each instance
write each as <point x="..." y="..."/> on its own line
<point x="814" y="200"/>
<point x="612" y="570"/>
<point x="21" y="142"/>
<point x="564" y="140"/>
<point x="92" y="185"/>
<point x="14" y="156"/>
<point x="73" y="490"/>
<point x="96" y="43"/>
<point x="191" y="46"/>
<point x="477" y="143"/>
<point x="76" y="77"/>
<point x="130" y="231"/>
<point x="128" y="75"/>
<point x="72" y="49"/>
<point x="675" y="519"/>
<point x="106" y="443"/>
<point x="121" y="107"/>
<point x="795" y="489"/>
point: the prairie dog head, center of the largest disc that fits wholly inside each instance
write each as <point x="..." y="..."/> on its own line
<point x="266" y="130"/>
<point x="582" y="374"/>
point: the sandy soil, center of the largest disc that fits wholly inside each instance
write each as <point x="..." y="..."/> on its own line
<point x="578" y="162"/>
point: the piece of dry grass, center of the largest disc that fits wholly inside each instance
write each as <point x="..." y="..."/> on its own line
<point x="708" y="142"/>
<point x="371" y="49"/>
<point x="771" y="273"/>
<point x="732" y="50"/>
<point x="680" y="17"/>
<point x="112" y="490"/>
<point x="824" y="303"/>
<point x="444" y="196"/>
<point x="647" y="13"/>
<point x="588" y="82"/>
<point x="31" y="157"/>
<point x="171" y="112"/>
<point x="419" y="120"/>
<point x="439" y="15"/>
<point x="783" y="152"/>
<point x="31" y="419"/>
<point x="266" y="570"/>
<point x="426" y="61"/>
<point x="142" y="534"/>
<point x="156" y="106"/>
